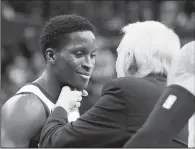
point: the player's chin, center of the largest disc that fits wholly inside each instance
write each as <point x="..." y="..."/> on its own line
<point x="81" y="84"/>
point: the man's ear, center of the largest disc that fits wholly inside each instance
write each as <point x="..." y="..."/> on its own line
<point x="50" y="55"/>
<point x="133" y="67"/>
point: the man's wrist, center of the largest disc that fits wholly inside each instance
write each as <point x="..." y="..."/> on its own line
<point x="59" y="105"/>
<point x="60" y="113"/>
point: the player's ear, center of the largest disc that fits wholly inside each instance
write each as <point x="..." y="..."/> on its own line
<point x="50" y="55"/>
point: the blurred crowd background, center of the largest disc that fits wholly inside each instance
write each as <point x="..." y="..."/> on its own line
<point x="22" y="21"/>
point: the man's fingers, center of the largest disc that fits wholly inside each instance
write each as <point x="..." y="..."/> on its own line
<point x="78" y="93"/>
<point x="84" y="93"/>
<point x="66" y="88"/>
<point x="77" y="105"/>
<point x="79" y="99"/>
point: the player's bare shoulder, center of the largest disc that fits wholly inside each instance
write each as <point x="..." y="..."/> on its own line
<point x="24" y="106"/>
<point x="22" y="118"/>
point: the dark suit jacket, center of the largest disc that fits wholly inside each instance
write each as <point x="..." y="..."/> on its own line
<point x="122" y="109"/>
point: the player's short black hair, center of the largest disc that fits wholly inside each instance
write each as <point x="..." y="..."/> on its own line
<point x="57" y="29"/>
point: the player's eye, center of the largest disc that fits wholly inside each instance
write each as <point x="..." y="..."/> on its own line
<point x="93" y="55"/>
<point x="78" y="54"/>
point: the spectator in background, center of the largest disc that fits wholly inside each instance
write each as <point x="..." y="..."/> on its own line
<point x="68" y="46"/>
<point x="175" y="107"/>
<point x="144" y="57"/>
<point x="18" y="72"/>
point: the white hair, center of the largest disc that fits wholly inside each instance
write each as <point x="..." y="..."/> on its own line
<point x="151" y="44"/>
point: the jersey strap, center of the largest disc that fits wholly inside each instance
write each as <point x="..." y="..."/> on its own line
<point x="35" y="90"/>
<point x="72" y="116"/>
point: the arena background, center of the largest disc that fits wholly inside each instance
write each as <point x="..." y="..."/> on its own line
<point x="22" y="21"/>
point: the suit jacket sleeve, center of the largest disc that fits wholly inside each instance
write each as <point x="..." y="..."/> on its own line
<point x="158" y="129"/>
<point x="103" y="125"/>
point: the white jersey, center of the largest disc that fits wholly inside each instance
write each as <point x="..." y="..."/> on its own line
<point x="191" y="129"/>
<point x="72" y="116"/>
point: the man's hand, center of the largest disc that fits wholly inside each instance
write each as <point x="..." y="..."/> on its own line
<point x="182" y="71"/>
<point x="78" y="103"/>
<point x="70" y="100"/>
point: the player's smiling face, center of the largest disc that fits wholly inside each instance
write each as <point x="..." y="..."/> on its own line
<point x="76" y="60"/>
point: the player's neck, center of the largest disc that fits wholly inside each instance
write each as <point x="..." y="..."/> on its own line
<point x="50" y="85"/>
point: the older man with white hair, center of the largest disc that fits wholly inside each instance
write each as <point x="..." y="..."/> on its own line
<point x="175" y="107"/>
<point x="146" y="48"/>
<point x="144" y="58"/>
